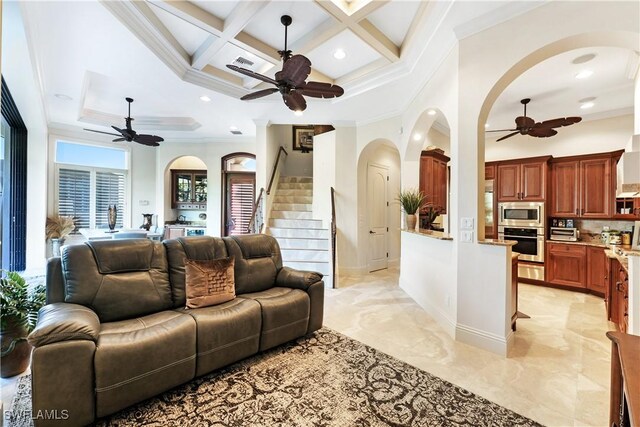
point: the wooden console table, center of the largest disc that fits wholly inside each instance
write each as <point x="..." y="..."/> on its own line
<point x="624" y="408"/>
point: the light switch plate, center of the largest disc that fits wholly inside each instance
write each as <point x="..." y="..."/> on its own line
<point x="466" y="236"/>
<point x="466" y="223"/>
<point x="144" y="203"/>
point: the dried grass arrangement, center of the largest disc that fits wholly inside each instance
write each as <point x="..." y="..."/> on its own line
<point x="59" y="227"/>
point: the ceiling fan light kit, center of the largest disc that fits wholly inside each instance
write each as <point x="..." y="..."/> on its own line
<point x="130" y="135"/>
<point x="527" y="126"/>
<point x="291" y="80"/>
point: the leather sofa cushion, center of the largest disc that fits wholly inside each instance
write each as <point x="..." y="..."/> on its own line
<point x="209" y="282"/>
<point x="142" y="357"/>
<point x="118" y="279"/>
<point x="285" y="315"/>
<point x="196" y="248"/>
<point x="258" y="261"/>
<point x="226" y="333"/>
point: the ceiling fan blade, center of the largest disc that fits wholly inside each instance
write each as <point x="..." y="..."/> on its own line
<point x="250" y="73"/>
<point x="99" y="131"/>
<point x="295" y="70"/>
<point x="119" y="139"/>
<point x="501" y="130"/>
<point x="295" y="101"/>
<point x="524" y="122"/>
<point x="507" y="136"/>
<point x="542" y="132"/>
<point x="559" y="122"/>
<point x="320" y="90"/>
<point x="259" y="94"/>
<point x="150" y="140"/>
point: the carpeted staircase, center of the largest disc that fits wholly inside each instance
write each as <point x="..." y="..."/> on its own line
<point x="303" y="241"/>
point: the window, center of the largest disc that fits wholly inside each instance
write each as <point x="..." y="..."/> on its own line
<point x="85" y="191"/>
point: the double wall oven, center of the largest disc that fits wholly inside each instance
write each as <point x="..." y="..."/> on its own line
<point x="524" y="223"/>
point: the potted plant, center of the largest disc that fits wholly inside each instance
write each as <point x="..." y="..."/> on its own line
<point x="411" y="201"/>
<point x="18" y="316"/>
<point x="57" y="228"/>
<point x="429" y="214"/>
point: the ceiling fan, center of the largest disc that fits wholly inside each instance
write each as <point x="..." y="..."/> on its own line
<point x="527" y="126"/>
<point x="290" y="81"/>
<point x="130" y="135"/>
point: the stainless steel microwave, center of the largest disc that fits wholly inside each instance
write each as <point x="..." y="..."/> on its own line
<point x="521" y="214"/>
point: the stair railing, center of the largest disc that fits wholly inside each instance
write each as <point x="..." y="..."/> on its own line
<point x="333" y="237"/>
<point x="275" y="168"/>
<point x="256" y="223"/>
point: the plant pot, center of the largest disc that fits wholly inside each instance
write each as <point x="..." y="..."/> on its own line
<point x="17" y="360"/>
<point x="55" y="246"/>
<point x="412" y="219"/>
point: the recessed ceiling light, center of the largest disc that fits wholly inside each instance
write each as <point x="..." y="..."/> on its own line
<point x="63" y="96"/>
<point x="233" y="128"/>
<point x="205" y="98"/>
<point x="417" y="137"/>
<point x="584" y="74"/>
<point x="339" y="54"/>
<point x="432" y="112"/>
<point x="586" y="105"/>
<point x="297" y="113"/>
<point x="584" y="58"/>
<point x="486" y="125"/>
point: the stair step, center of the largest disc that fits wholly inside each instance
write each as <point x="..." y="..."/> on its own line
<point x="320" y="267"/>
<point x="293" y="199"/>
<point x="295" y="186"/>
<point x="291" y="214"/>
<point x="294" y="192"/>
<point x="299" y="233"/>
<point x="304" y="255"/>
<point x="295" y="223"/>
<point x="303" y="179"/>
<point x="304" y="243"/>
<point x="292" y="207"/>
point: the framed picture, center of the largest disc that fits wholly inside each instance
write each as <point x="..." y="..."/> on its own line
<point x="303" y="138"/>
<point x="635" y="243"/>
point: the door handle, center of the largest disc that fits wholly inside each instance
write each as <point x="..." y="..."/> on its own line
<point x="371" y="232"/>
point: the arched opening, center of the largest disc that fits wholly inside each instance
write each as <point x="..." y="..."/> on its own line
<point x="428" y="156"/>
<point x="238" y="192"/>
<point x="379" y="175"/>
<point x="185" y="195"/>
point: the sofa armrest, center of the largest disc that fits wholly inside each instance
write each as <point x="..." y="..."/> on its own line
<point x="290" y="278"/>
<point x="63" y="321"/>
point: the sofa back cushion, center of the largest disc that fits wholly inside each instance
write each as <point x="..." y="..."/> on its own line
<point x="118" y="279"/>
<point x="258" y="261"/>
<point x="198" y="248"/>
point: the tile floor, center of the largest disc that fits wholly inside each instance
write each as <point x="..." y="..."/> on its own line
<point x="557" y="373"/>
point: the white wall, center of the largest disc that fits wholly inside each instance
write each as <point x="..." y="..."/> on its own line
<point x="324" y="165"/>
<point x="297" y="163"/>
<point x="20" y="74"/>
<point x="437" y="139"/>
<point x="211" y="154"/>
<point x="596" y="136"/>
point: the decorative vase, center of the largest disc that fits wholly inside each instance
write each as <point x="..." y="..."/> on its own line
<point x="411" y="221"/>
<point x="113" y="217"/>
<point x="16" y="351"/>
<point x="146" y="221"/>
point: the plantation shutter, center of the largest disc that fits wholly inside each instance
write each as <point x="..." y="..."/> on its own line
<point x="74" y="196"/>
<point x="242" y="192"/>
<point x="109" y="191"/>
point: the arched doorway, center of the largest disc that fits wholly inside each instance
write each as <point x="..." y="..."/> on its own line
<point x="185" y="196"/>
<point x="238" y="192"/>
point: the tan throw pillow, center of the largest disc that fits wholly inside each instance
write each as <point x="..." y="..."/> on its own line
<point x="209" y="282"/>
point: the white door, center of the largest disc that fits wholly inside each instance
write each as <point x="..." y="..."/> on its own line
<point x="377" y="177"/>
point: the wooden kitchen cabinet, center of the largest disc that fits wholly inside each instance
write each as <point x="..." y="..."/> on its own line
<point x="596" y="270"/>
<point x="581" y="187"/>
<point x="522" y="180"/>
<point x="566" y="265"/>
<point x="433" y="178"/>
<point x="619" y="307"/>
<point x="188" y="189"/>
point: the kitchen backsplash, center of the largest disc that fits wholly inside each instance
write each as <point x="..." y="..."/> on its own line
<point x="594" y="227"/>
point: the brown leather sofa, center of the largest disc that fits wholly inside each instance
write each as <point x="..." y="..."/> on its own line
<point x="115" y="331"/>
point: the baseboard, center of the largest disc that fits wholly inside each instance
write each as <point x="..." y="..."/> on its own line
<point x="484" y="340"/>
<point x="436" y="313"/>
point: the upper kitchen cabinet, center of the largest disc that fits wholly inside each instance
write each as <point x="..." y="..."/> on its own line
<point x="581" y="187"/>
<point x="188" y="189"/>
<point x="522" y="180"/>
<point x="433" y="178"/>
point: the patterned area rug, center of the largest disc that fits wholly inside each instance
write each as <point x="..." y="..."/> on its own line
<point x="325" y="379"/>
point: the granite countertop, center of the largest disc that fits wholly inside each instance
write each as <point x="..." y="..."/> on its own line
<point x="498" y="242"/>
<point x="595" y="243"/>
<point x="439" y="235"/>
<point x="515" y="255"/>
<point x="202" y="224"/>
<point x="622" y="259"/>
